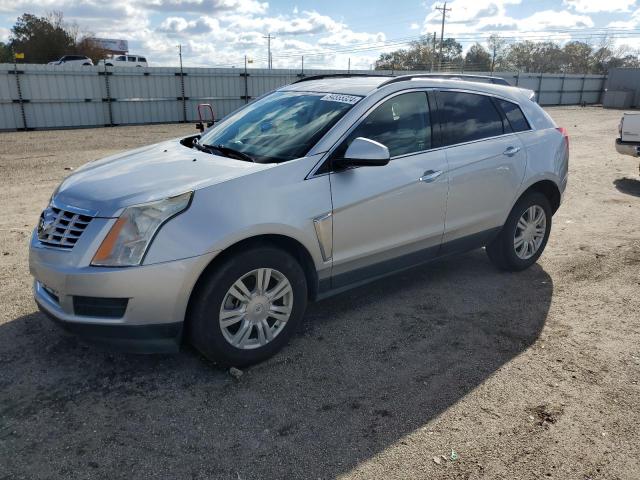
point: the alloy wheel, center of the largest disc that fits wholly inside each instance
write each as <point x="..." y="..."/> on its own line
<point x="256" y="308"/>
<point x="530" y="232"/>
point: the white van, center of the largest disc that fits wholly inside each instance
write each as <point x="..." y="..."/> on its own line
<point x="125" y="61"/>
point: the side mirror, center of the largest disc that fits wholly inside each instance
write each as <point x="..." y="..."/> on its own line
<point x="364" y="152"/>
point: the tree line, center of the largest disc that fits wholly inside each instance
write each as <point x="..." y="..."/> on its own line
<point x="525" y="56"/>
<point x="44" y="39"/>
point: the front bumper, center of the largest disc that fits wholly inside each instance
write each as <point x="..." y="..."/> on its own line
<point x="152" y="299"/>
<point x="628" y="148"/>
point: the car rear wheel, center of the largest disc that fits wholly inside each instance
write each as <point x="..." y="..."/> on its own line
<point x="247" y="308"/>
<point x="524" y="235"/>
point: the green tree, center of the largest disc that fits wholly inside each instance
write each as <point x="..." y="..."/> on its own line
<point x="497" y="47"/>
<point x="538" y="57"/>
<point x="41" y="39"/>
<point x="451" y="54"/>
<point x="577" y="57"/>
<point x="5" y="53"/>
<point x="421" y="56"/>
<point x="477" y="59"/>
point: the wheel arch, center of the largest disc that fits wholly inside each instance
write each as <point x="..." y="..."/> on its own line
<point x="283" y="242"/>
<point x="549" y="189"/>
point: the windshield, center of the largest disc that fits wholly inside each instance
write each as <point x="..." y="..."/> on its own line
<point x="281" y="126"/>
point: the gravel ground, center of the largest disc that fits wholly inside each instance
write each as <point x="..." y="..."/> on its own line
<point x="530" y="375"/>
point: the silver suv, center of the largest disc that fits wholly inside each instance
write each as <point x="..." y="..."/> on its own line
<point x="222" y="238"/>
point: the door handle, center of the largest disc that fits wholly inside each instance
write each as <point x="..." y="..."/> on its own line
<point x="511" y="151"/>
<point x="429" y="176"/>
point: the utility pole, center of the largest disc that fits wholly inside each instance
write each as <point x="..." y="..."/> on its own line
<point x="269" y="38"/>
<point x="184" y="99"/>
<point x="444" y="11"/>
<point x="493" y="59"/>
<point x="433" y="52"/>
<point x="349" y="66"/>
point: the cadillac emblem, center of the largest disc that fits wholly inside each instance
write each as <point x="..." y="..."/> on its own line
<point x="46" y="225"/>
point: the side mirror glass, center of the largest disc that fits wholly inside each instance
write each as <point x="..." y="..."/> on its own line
<point x="364" y="152"/>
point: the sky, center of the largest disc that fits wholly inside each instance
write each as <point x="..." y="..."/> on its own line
<point x="329" y="33"/>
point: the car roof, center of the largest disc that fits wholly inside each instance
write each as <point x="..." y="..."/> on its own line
<point x="348" y="85"/>
<point x="364" y="85"/>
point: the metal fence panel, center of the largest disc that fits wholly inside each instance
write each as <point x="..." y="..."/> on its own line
<point x="78" y="96"/>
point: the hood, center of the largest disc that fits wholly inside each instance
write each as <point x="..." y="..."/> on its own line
<point x="146" y="174"/>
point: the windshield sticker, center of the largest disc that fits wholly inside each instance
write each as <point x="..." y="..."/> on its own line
<point x="336" y="97"/>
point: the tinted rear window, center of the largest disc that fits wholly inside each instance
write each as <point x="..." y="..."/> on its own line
<point x="515" y="116"/>
<point x="467" y="117"/>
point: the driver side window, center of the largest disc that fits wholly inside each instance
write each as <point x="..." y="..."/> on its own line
<point x="401" y="123"/>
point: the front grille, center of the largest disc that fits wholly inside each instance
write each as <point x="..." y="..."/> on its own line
<point x="61" y="228"/>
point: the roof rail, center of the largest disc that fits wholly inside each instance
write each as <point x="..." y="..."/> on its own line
<point x="402" y="78"/>
<point x="338" y="75"/>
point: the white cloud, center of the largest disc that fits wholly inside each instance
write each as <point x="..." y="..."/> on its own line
<point x="594" y="6"/>
<point x="210" y="7"/>
<point x="4" y="34"/>
<point x="551" y="19"/>
<point x="199" y="26"/>
<point x="307" y="23"/>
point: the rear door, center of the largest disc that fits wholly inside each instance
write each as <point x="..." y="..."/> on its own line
<point x="390" y="217"/>
<point x="487" y="162"/>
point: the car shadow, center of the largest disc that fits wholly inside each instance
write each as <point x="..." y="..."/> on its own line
<point x="365" y="369"/>
<point x="630" y="186"/>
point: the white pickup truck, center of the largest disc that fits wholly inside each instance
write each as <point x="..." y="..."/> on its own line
<point x="629" y="141"/>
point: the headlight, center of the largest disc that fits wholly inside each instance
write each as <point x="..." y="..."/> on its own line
<point x="131" y="235"/>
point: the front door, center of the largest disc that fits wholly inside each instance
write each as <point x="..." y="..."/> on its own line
<point x="391" y="217"/>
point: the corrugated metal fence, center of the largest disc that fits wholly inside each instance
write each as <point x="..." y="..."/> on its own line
<point x="44" y="96"/>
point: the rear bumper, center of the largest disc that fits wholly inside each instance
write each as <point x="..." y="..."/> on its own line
<point x="628" y="148"/>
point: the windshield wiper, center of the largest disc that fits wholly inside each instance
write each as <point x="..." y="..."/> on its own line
<point x="231" y="152"/>
<point x="225" y="151"/>
<point x="197" y="146"/>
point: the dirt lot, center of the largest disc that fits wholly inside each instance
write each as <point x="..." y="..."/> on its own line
<point x="525" y="376"/>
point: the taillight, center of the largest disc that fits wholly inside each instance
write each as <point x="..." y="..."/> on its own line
<point x="565" y="134"/>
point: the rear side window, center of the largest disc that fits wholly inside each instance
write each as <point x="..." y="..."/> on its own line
<point x="401" y="124"/>
<point x="467" y="117"/>
<point x="515" y="116"/>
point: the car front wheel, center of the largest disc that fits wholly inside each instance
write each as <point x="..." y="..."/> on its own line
<point x="247" y="308"/>
<point x="524" y="235"/>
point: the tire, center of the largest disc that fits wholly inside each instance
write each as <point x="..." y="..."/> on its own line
<point x="502" y="250"/>
<point x="213" y="300"/>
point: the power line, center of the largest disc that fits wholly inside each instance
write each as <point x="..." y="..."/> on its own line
<point x="626" y="34"/>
